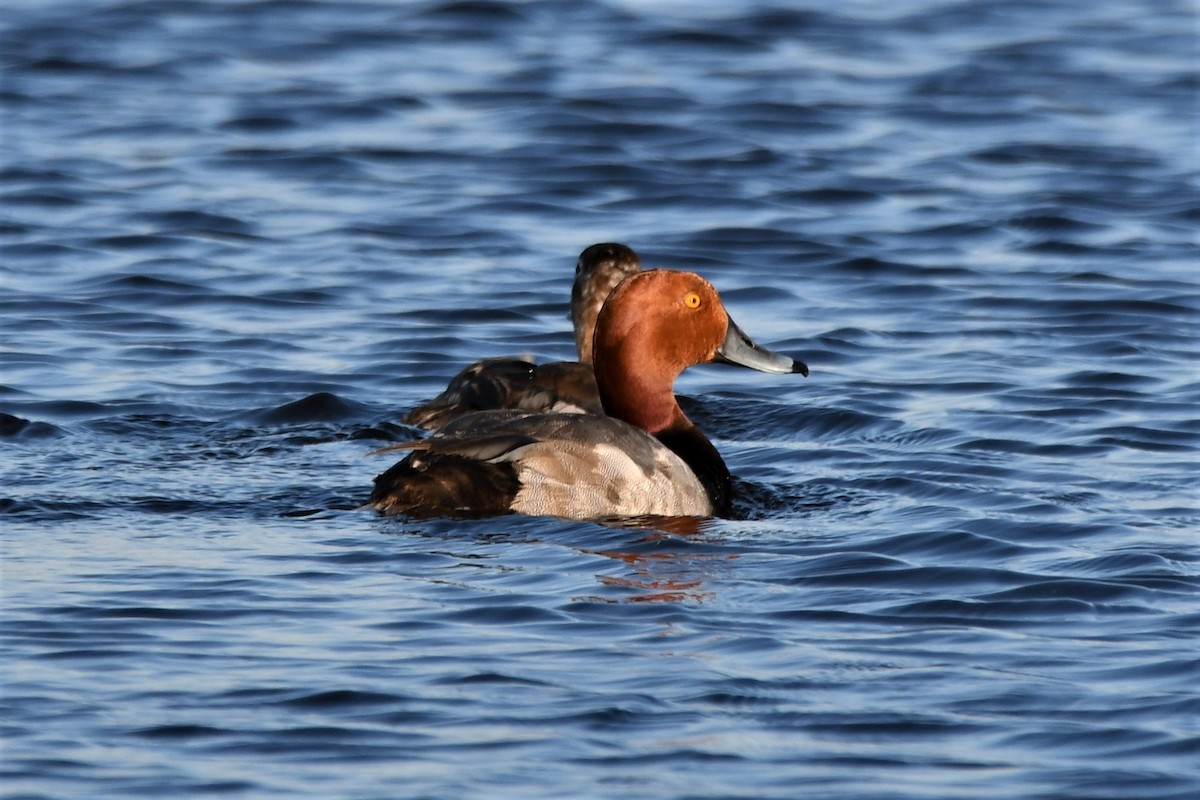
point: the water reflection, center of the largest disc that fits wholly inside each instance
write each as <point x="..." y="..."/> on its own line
<point x="662" y="526"/>
<point x="663" y="575"/>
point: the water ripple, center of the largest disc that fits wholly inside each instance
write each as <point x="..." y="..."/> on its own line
<point x="240" y="240"/>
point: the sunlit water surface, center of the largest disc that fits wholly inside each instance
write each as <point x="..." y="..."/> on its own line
<point x="242" y="238"/>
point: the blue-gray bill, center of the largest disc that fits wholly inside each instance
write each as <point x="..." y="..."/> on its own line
<point x="739" y="349"/>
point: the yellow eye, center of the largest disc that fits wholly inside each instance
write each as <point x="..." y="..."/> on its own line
<point x="691" y="300"/>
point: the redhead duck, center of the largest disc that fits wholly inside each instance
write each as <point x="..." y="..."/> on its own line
<point x="645" y="458"/>
<point x="568" y="386"/>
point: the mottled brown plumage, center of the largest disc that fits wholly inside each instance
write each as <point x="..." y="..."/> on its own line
<point x="569" y="386"/>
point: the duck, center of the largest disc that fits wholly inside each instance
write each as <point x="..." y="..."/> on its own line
<point x="516" y="383"/>
<point x="642" y="458"/>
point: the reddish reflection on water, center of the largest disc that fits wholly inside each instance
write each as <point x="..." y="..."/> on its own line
<point x="664" y="576"/>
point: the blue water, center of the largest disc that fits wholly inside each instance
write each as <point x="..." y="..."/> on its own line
<point x="242" y="238"/>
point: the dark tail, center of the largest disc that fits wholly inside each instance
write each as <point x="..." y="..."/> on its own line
<point x="441" y="485"/>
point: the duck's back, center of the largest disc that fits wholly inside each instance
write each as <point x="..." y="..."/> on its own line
<point x="588" y="467"/>
<point x="511" y="383"/>
<point x="565" y="465"/>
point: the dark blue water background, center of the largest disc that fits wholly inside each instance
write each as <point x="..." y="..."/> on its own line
<point x="241" y="238"/>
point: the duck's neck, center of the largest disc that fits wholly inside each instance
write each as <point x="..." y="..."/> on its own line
<point x="630" y="396"/>
<point x="655" y="410"/>
<point x="698" y="453"/>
